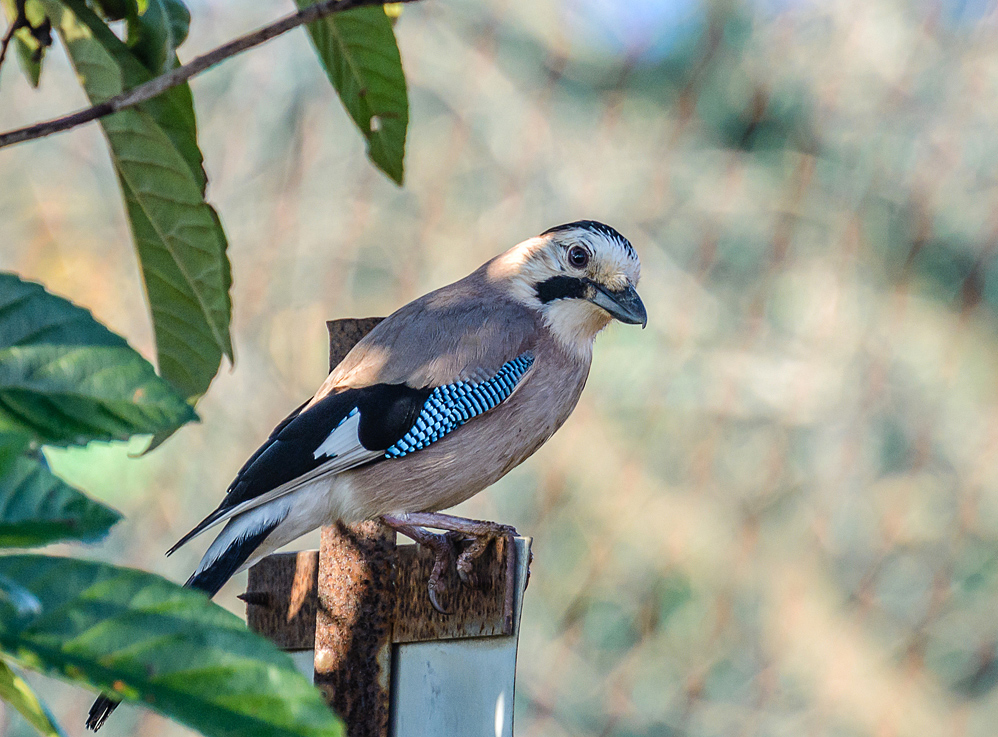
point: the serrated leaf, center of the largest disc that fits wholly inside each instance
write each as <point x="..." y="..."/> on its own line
<point x="16" y="692"/>
<point x="37" y="507"/>
<point x="144" y="638"/>
<point x="66" y="379"/>
<point x="179" y="239"/>
<point x="358" y="50"/>
<point x="156" y="31"/>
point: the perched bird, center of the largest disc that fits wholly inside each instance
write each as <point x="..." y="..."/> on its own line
<point x="440" y="400"/>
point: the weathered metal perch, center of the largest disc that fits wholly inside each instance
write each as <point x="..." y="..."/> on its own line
<point x="387" y="662"/>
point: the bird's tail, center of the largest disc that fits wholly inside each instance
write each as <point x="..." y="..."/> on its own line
<point x="100" y="711"/>
<point x="233" y="547"/>
<point x="222" y="560"/>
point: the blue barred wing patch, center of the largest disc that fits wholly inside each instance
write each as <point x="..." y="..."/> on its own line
<point x="448" y="407"/>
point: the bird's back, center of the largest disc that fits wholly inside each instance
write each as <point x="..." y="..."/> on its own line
<point x="462" y="331"/>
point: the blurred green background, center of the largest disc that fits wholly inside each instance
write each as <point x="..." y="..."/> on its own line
<point x="775" y="510"/>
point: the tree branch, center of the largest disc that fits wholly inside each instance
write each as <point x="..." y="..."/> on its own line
<point x="181" y="74"/>
<point x="5" y="42"/>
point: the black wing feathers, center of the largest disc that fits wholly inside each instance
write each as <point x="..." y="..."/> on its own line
<point x="289" y="453"/>
<point x="387" y="411"/>
<point x="273" y="436"/>
<point x="286" y="455"/>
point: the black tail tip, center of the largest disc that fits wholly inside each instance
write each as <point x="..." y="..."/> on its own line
<point x="100" y="711"/>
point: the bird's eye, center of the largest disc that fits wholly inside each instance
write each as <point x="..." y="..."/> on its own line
<point x="578" y="257"/>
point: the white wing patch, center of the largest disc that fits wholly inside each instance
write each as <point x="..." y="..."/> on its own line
<point x="344" y="439"/>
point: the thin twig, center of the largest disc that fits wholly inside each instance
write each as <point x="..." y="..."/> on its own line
<point x="6" y="42"/>
<point x="20" y="21"/>
<point x="181" y="74"/>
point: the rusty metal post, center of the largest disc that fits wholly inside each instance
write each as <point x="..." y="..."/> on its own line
<point x="359" y="611"/>
<point x="359" y="605"/>
<point x="356" y="599"/>
<point x="345" y="334"/>
<point x="353" y="627"/>
<point x="281" y="599"/>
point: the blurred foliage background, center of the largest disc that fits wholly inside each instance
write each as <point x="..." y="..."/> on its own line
<point x="774" y="511"/>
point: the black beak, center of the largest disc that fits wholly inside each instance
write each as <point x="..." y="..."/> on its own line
<point x="624" y="305"/>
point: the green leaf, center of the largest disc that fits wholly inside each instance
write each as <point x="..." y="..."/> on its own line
<point x="30" y="51"/>
<point x="179" y="239"/>
<point x="66" y="379"/>
<point x="144" y="638"/>
<point x="362" y="60"/>
<point x="16" y="692"/>
<point x="37" y="507"/>
<point x="156" y="31"/>
<point x="12" y="446"/>
<point x="18" y="599"/>
<point x="117" y="9"/>
<point x="29" y="59"/>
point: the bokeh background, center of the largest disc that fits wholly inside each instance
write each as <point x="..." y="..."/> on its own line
<point x="775" y="511"/>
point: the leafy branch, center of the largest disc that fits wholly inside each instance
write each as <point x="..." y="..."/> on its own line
<point x="67" y="380"/>
<point x="181" y="74"/>
<point x="140" y="94"/>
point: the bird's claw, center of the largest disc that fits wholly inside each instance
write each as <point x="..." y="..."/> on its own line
<point x="472" y="536"/>
<point x="466" y="560"/>
<point x="443" y="553"/>
<point x="466" y="574"/>
<point x="432" y="592"/>
<point x="442" y="546"/>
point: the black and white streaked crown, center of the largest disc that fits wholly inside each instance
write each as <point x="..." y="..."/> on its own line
<point x="594" y="226"/>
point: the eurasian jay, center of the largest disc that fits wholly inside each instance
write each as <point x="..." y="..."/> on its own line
<point x="440" y="400"/>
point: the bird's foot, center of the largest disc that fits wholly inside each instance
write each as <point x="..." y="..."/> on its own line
<point x="473" y="549"/>
<point x="482" y="533"/>
<point x="442" y="546"/>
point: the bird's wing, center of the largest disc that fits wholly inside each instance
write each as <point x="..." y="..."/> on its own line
<point x="286" y="458"/>
<point x="350" y="426"/>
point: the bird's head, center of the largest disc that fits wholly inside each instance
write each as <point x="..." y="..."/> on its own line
<point x="580" y="276"/>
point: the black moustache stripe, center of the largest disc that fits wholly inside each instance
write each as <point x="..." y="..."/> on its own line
<point x="561" y="287"/>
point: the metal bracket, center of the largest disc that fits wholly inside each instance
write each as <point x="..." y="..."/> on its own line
<point x="359" y="608"/>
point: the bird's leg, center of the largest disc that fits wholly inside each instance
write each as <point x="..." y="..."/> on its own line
<point x="483" y="533"/>
<point x="443" y="552"/>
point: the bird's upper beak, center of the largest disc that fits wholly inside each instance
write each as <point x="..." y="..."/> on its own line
<point x="624" y="304"/>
